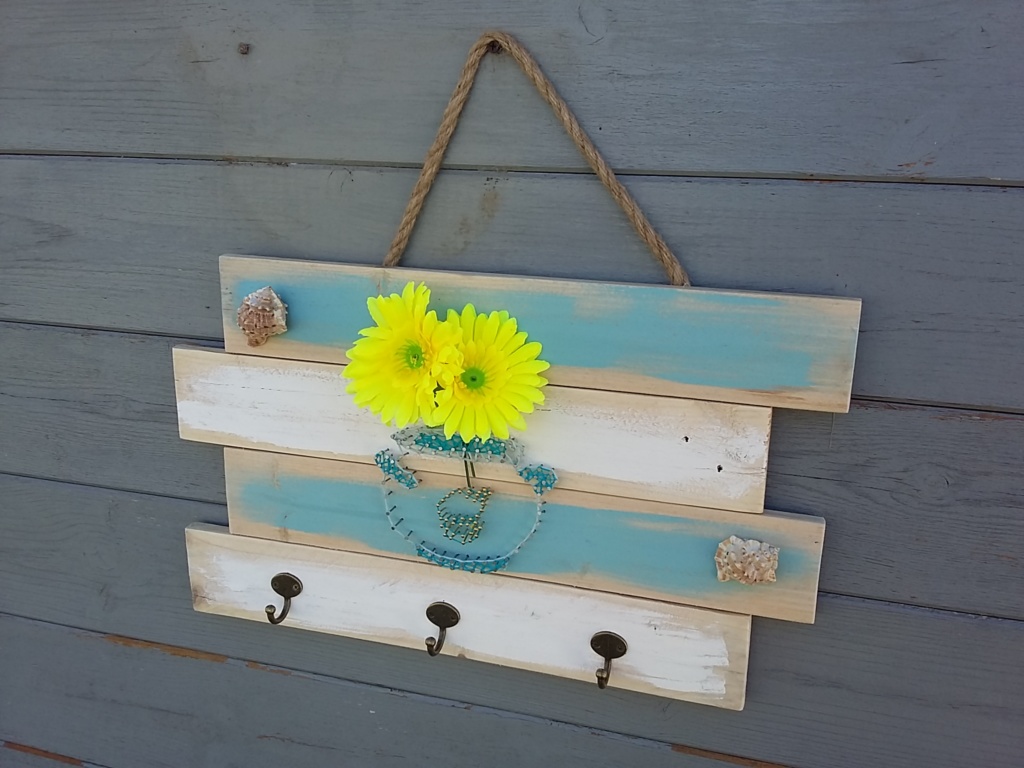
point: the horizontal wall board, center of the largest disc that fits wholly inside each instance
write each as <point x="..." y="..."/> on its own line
<point x="849" y="88"/>
<point x="705" y="454"/>
<point x="133" y="245"/>
<point x="818" y="695"/>
<point x="98" y="408"/>
<point x="128" y="702"/>
<point x="756" y="348"/>
<point x="641" y="548"/>
<point x="677" y="652"/>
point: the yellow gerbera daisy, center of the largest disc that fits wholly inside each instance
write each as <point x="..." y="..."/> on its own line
<point x="498" y="380"/>
<point x="401" y="362"/>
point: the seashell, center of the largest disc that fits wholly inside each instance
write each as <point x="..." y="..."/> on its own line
<point x="747" y="561"/>
<point x="262" y="315"/>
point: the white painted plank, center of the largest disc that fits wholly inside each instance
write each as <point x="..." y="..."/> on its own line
<point x="663" y="449"/>
<point x="674" y="651"/>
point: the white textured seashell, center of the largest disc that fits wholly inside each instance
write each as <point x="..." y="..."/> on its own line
<point x="747" y="561"/>
<point x="262" y="315"/>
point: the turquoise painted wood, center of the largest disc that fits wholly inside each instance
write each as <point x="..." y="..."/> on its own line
<point x="757" y="348"/>
<point x="645" y="549"/>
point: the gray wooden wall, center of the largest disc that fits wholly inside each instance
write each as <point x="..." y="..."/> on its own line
<point x="853" y="148"/>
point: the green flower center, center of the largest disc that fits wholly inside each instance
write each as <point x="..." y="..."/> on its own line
<point x="412" y="356"/>
<point x="474" y="378"/>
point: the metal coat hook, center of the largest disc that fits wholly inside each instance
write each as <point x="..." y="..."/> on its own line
<point x="287" y="586"/>
<point x="609" y="646"/>
<point x="443" y="616"/>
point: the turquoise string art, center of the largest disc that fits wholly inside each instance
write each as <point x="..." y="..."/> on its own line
<point x="388" y="464"/>
<point x="458" y="528"/>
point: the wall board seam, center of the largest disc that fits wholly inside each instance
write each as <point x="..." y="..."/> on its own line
<point x="422" y="698"/>
<point x="115" y="331"/>
<point x="965" y="407"/>
<point x="118" y="489"/>
<point x="976" y="181"/>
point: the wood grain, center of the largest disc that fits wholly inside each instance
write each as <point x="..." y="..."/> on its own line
<point x="674" y="651"/>
<point x="776" y="350"/>
<point x="834" y="89"/>
<point x="705" y="454"/>
<point x="99" y="559"/>
<point x="133" y="245"/>
<point x="641" y="548"/>
<point x="98" y="408"/>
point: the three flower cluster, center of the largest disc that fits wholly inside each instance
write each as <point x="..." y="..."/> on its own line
<point x="472" y="373"/>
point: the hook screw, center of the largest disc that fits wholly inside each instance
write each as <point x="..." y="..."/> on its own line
<point x="287" y="586"/>
<point x="444" y="617"/>
<point x="609" y="646"/>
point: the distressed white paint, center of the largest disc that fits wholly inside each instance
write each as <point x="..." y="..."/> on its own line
<point x="640" y="446"/>
<point x="674" y="651"/>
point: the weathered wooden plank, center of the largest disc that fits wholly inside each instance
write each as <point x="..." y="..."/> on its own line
<point x="129" y="702"/>
<point x="936" y="266"/>
<point x="833" y="89"/>
<point x="676" y="652"/>
<point x="642" y="548"/>
<point x="98" y="408"/>
<point x="784" y="351"/>
<point x="818" y="695"/>
<point x="707" y="454"/>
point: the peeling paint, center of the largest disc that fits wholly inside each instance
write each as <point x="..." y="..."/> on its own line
<point x="35" y="751"/>
<point x="721" y="757"/>
<point x="264" y="668"/>
<point x="170" y="650"/>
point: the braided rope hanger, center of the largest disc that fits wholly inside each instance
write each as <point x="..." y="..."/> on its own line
<point x="497" y="42"/>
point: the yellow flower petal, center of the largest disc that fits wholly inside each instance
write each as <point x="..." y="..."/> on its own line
<point x="514" y="343"/>
<point x="399" y="363"/>
<point x="496" y="381"/>
<point x="467" y="423"/>
<point x="498" y="424"/>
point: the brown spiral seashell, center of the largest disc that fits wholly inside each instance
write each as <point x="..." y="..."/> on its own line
<point x="262" y="315"/>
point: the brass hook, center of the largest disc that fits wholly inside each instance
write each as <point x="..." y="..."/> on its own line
<point x="443" y="616"/>
<point x="287" y="586"/>
<point x="609" y="646"/>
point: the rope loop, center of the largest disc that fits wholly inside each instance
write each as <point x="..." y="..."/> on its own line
<point x="498" y="42"/>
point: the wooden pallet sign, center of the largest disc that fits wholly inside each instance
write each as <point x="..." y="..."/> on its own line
<point x="611" y="506"/>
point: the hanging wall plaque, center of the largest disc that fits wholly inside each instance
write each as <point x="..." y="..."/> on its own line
<point x="449" y="461"/>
